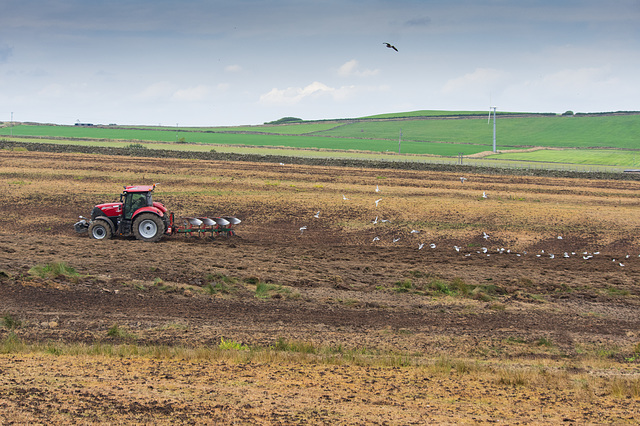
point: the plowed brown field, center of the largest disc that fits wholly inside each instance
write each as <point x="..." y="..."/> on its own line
<point x="519" y="308"/>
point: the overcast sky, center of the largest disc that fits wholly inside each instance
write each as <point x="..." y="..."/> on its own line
<point x="209" y="62"/>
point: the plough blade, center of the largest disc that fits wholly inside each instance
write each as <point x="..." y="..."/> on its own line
<point x="203" y="226"/>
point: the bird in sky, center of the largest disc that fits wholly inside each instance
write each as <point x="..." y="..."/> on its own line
<point x="390" y="46"/>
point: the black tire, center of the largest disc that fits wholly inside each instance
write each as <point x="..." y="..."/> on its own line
<point x="100" y="230"/>
<point x="148" y="227"/>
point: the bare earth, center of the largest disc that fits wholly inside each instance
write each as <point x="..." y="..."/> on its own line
<point x="548" y="332"/>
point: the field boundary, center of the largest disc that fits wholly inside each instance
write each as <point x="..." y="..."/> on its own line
<point x="334" y="162"/>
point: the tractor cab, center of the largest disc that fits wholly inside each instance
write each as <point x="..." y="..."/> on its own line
<point x="133" y="200"/>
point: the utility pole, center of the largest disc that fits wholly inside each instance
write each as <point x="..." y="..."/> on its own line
<point x="494" y="130"/>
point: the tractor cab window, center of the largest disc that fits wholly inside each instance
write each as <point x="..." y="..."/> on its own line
<point x="134" y="201"/>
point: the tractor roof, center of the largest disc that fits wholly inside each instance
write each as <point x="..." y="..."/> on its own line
<point x="139" y="188"/>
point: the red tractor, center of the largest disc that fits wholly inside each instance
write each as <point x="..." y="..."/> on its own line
<point x="138" y="215"/>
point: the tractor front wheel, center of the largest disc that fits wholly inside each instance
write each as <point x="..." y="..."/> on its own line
<point x="99" y="230"/>
<point x="148" y="227"/>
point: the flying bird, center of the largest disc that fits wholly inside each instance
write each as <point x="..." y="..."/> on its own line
<point x="377" y="201"/>
<point x="376" y="239"/>
<point x="344" y="198"/>
<point x="390" y="46"/>
<point x="377" y="188"/>
<point x="420" y="246"/>
<point x="375" y="220"/>
<point x="302" y="229"/>
<point x="462" y="179"/>
<point x="317" y="215"/>
<point x="484" y="195"/>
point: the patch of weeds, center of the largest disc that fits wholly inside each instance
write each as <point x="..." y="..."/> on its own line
<point x="120" y="333"/>
<point x="351" y="302"/>
<point x="497" y="307"/>
<point x="231" y="345"/>
<point x="417" y="274"/>
<point x="295" y="346"/>
<point x="55" y="270"/>
<point x="544" y="341"/>
<point x="274" y="291"/>
<point x="515" y="340"/>
<point x="439" y="286"/>
<point x="403" y="286"/>
<point x="615" y="291"/>
<point x="219" y="284"/>
<point x="11" y="322"/>
<point x="136" y="146"/>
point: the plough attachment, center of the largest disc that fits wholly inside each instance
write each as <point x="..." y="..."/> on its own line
<point x="205" y="226"/>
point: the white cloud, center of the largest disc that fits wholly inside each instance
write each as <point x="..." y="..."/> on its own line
<point x="233" y="68"/>
<point x="350" y="68"/>
<point x="196" y="93"/>
<point x="293" y="95"/>
<point x="154" y="91"/>
<point x="482" y="79"/>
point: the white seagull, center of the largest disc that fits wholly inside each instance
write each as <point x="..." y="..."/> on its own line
<point x="317" y="215"/>
<point x="415" y="232"/>
<point x="377" y="188"/>
<point x="302" y="229"/>
<point x="376" y="239"/>
<point x="420" y="246"/>
<point x="377" y="201"/>
<point x="432" y="245"/>
<point x="395" y="240"/>
<point x="485" y="236"/>
<point x="484" y="195"/>
<point x="462" y="179"/>
<point x="375" y="220"/>
<point x="344" y="198"/>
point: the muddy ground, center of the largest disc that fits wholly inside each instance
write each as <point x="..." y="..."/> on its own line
<point x="554" y="284"/>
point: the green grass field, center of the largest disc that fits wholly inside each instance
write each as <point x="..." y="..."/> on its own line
<point x="612" y="139"/>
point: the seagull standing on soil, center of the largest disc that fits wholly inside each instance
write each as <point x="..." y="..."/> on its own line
<point x="484" y="195"/>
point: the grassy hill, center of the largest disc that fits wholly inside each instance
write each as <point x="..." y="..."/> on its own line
<point x="442" y="133"/>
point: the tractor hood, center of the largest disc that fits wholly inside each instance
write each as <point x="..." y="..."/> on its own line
<point x="110" y="209"/>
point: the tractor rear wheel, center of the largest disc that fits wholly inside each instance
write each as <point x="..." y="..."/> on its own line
<point x="148" y="227"/>
<point x="99" y="230"/>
